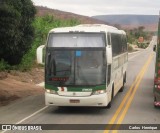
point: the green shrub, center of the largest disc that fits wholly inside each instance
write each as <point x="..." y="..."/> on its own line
<point x="130" y="48"/>
<point x="16" y="30"/>
<point x="3" y="65"/>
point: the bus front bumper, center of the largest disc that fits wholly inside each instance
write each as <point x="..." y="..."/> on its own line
<point x="93" y="100"/>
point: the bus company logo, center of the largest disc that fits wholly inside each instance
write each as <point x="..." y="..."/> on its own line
<point x="6" y="127"/>
<point x="62" y="89"/>
<point x="74" y="94"/>
<point x="87" y="89"/>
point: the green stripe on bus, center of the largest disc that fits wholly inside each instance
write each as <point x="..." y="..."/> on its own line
<point x="76" y="88"/>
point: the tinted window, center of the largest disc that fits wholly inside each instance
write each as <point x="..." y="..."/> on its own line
<point x="119" y="44"/>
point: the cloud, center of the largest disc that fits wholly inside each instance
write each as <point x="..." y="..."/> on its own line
<point x="101" y="7"/>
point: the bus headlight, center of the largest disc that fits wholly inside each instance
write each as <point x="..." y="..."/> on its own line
<point x="51" y="91"/>
<point x="99" y="92"/>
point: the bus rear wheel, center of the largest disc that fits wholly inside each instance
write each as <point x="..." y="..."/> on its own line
<point x="122" y="88"/>
<point x="124" y="81"/>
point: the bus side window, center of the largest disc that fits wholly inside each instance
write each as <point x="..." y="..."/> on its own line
<point x="109" y="75"/>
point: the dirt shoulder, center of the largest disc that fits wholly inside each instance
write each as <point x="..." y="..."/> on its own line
<point x="15" y="84"/>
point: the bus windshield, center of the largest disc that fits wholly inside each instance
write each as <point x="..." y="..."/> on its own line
<point x="76" y="40"/>
<point x="76" y="67"/>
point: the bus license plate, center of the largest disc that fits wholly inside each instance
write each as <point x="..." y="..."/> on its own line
<point x="74" y="101"/>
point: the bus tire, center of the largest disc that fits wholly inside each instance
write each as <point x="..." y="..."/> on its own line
<point x="122" y="88"/>
<point x="124" y="81"/>
<point x="109" y="105"/>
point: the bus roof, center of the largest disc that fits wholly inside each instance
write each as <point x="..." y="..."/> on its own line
<point x="88" y="28"/>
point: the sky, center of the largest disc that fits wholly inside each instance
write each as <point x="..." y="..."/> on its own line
<point x="103" y="7"/>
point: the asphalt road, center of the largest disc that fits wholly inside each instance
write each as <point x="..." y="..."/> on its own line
<point x="133" y="106"/>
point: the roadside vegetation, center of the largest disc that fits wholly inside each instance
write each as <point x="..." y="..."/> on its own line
<point x="21" y="33"/>
<point x="16" y="31"/>
<point x="135" y="34"/>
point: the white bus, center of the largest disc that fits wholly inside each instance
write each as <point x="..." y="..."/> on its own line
<point x="85" y="65"/>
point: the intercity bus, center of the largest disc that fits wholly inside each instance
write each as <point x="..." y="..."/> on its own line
<point x="85" y="65"/>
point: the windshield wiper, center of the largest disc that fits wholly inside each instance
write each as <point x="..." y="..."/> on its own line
<point x="48" y="63"/>
<point x="53" y="69"/>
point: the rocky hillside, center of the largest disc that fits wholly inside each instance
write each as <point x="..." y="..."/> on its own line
<point x="66" y="15"/>
<point x="124" y="21"/>
<point x="150" y="22"/>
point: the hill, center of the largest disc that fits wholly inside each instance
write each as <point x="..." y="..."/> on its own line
<point x="150" y="22"/>
<point x="41" y="11"/>
<point x="130" y="21"/>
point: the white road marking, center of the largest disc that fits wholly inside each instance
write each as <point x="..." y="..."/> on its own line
<point x="32" y="115"/>
<point x="28" y="117"/>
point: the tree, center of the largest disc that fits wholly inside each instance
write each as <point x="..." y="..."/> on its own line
<point x="16" y="30"/>
<point x="141" y="28"/>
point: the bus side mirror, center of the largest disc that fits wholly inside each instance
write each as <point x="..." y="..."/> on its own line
<point x="154" y="48"/>
<point x="41" y="54"/>
<point x="109" y="54"/>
